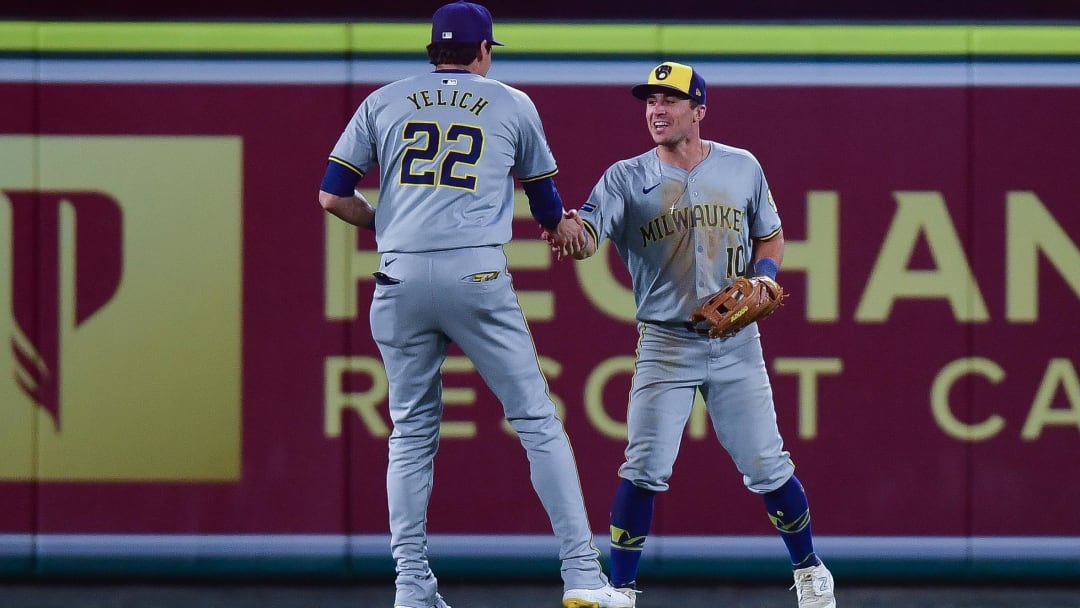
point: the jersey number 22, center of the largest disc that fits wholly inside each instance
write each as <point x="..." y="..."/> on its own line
<point x="425" y="144"/>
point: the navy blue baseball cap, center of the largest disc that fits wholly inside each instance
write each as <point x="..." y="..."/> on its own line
<point x="462" y="22"/>
<point x="671" y="76"/>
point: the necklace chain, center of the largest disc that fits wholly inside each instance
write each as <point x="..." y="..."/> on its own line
<point x="686" y="184"/>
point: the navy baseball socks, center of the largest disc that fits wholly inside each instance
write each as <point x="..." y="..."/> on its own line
<point x="788" y="509"/>
<point x="631" y="519"/>
<point x="789" y="512"/>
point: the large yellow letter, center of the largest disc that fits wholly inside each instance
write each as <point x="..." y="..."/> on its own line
<point x="922" y="213"/>
<point x="365" y="404"/>
<point x="536" y="305"/>
<point x="1031" y="229"/>
<point x="1059" y="372"/>
<point x="939" y="399"/>
<point x="808" y="370"/>
<point x="603" y="290"/>
<point x="345" y="265"/>
<point x="594" y="395"/>
<point x="819" y="255"/>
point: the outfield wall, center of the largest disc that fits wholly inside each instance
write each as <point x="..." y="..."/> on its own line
<point x="190" y="387"/>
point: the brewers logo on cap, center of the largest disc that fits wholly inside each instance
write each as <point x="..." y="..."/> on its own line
<point x="671" y="76"/>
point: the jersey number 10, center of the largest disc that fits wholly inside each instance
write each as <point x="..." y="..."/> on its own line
<point x="736" y="262"/>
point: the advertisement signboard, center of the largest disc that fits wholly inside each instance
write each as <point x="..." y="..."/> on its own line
<point x="189" y="357"/>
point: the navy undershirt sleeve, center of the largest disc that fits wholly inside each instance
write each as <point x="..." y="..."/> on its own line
<point x="544" y="202"/>
<point x="339" y="180"/>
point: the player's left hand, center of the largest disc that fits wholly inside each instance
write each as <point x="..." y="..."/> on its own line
<point x="739" y="304"/>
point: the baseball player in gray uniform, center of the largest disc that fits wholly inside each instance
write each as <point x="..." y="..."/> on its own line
<point x="448" y="144"/>
<point x="687" y="218"/>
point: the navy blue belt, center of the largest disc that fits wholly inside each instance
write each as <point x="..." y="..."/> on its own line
<point x="688" y="326"/>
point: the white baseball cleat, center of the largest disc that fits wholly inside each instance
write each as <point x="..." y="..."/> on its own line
<point x="604" y="597"/>
<point x="814" y="587"/>
<point x="629" y="592"/>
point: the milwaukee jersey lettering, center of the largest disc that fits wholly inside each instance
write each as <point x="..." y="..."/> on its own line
<point x="683" y="235"/>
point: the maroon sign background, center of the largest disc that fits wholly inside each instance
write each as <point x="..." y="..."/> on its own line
<point x="880" y="463"/>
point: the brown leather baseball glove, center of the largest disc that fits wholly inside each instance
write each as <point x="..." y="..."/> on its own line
<point x="734" y="307"/>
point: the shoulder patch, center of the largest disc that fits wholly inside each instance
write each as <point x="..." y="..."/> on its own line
<point x="772" y="203"/>
<point x="588" y="207"/>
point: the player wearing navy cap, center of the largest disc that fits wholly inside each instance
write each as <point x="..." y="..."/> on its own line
<point x="687" y="218"/>
<point x="462" y="22"/>
<point x="448" y="145"/>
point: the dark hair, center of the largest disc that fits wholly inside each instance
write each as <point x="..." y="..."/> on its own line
<point x="454" y="53"/>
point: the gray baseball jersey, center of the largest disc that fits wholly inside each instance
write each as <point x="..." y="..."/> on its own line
<point x="431" y="131"/>
<point x="448" y="145"/>
<point x="683" y="235"/>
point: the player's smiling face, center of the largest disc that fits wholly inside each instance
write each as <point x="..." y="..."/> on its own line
<point x="669" y="117"/>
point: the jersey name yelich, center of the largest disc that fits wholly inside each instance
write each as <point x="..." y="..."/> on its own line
<point x="454" y="98"/>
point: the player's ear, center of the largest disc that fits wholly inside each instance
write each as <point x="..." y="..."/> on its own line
<point x="484" y="46"/>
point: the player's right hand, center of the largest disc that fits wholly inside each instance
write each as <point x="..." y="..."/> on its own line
<point x="569" y="237"/>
